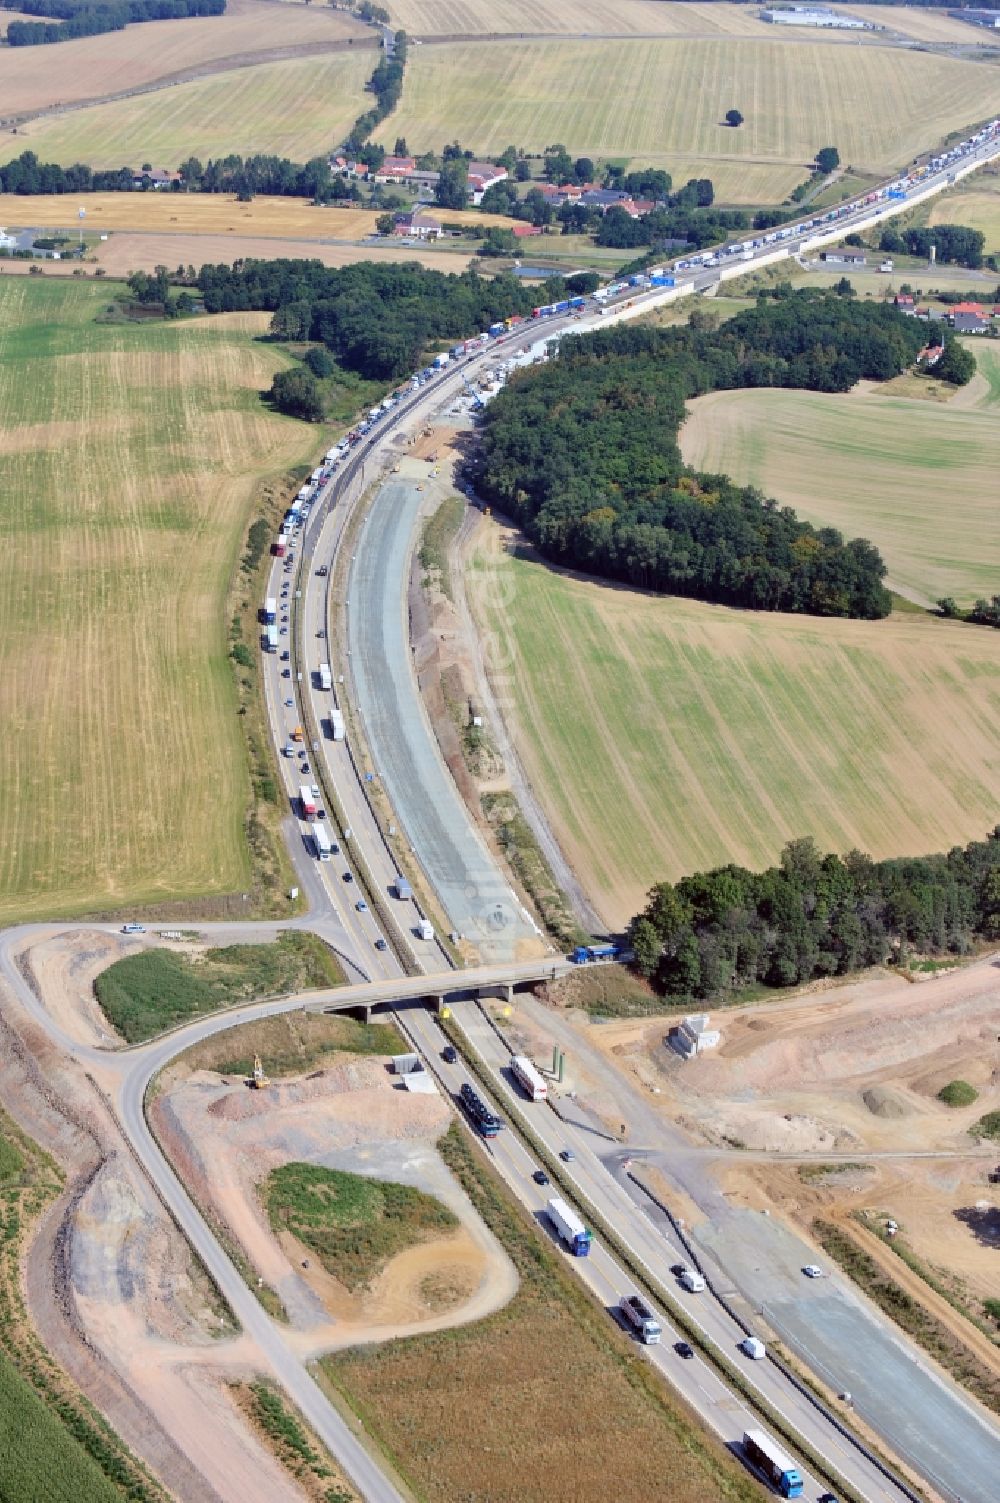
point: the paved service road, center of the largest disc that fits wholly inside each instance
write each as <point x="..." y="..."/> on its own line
<point x="478" y="901"/>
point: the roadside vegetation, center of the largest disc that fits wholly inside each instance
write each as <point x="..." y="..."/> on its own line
<point x="292" y="1442"/>
<point x="605" y="991"/>
<point x="527" y="861"/>
<point x="557" y="1389"/>
<point x="909" y="1314"/>
<point x="55" y="1446"/>
<point x="437" y="537"/>
<point x="291" y="1044"/>
<point x="144" y="994"/>
<point x="353" y="1224"/>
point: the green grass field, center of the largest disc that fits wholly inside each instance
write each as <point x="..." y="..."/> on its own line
<point x="665" y="736"/>
<point x="144" y="994"/>
<point x="353" y="1224"/>
<point x="918" y="479"/>
<point x="298" y="108"/>
<point x="129" y="459"/>
<point x="664" y="101"/>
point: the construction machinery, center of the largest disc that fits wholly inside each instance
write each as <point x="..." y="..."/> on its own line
<point x="260" y="1080"/>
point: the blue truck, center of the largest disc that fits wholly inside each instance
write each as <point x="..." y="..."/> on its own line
<point x="662" y="281"/>
<point x="487" y="1121"/>
<point x="588" y="954"/>
<point x="768" y="1458"/>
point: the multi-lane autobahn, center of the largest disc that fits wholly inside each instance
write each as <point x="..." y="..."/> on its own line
<point x="340" y="912"/>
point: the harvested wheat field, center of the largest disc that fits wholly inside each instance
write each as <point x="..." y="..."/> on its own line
<point x="919" y="22"/>
<point x="975" y="202"/>
<point x="577" y="18"/>
<point x="206" y="214"/>
<point x="35" y="78"/>
<point x="916" y="478"/>
<point x="664" y="735"/>
<point x="128" y="461"/>
<point x="652" y="101"/>
<point x="125" y="253"/>
<point x="298" y="109"/>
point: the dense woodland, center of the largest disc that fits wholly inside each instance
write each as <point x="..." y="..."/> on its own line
<point x="814" y="915"/>
<point x="583" y="453"/>
<point x="65" y="19"/>
<point x="955" y="244"/>
<point x="378" y="319"/>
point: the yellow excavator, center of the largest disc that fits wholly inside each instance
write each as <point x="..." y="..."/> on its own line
<point x="260" y="1080"/>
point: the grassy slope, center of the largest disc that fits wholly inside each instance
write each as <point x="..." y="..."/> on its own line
<point x="663" y="101"/>
<point x="353" y="1224"/>
<point x="917" y="478"/>
<point x="559" y="1398"/>
<point x="297" y="109"/>
<point x="665" y="735"/>
<point x="144" y="994"/>
<point x="128" y="460"/>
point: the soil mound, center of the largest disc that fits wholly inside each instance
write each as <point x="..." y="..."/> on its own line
<point x="882" y="1101"/>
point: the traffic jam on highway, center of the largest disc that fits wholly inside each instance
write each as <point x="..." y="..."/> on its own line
<point x="712" y="1395"/>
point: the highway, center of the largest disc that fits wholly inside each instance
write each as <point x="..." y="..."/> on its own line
<point x="335" y="913"/>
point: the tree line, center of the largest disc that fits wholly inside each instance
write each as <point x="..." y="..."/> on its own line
<point x="377" y="319"/>
<point x="954" y="244"/>
<point x="65" y="19"/>
<point x="814" y="915"/>
<point x="583" y="453"/>
<point x="244" y="176"/>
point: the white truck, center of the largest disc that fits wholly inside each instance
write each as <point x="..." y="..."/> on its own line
<point x="690" y="1280"/>
<point x="336" y="720"/>
<point x="325" y="676"/>
<point x="569" y="1226"/>
<point x="322" y="842"/>
<point x="425" y="929"/>
<point x="641" y="1318"/>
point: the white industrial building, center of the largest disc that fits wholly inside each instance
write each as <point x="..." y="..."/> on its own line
<point x="694" y="1035"/>
<point x="805" y="15"/>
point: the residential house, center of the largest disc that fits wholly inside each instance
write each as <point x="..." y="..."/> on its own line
<point x="969" y="323"/>
<point x="396" y="170"/>
<point x="157" y="178"/>
<point x="483" y="175"/>
<point x="904" y="302"/>
<point x="417" y="225"/>
<point x="523" y="229"/>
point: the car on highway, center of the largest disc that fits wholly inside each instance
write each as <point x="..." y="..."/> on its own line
<point x="133" y="928"/>
<point x="449" y="1054"/>
<point x="321" y="814"/>
<point x="813" y="1271"/>
<point x="304" y="766"/>
<point x="828" y="1498"/>
<point x="567" y="1155"/>
<point x="540" y="1177"/>
<point x="348" y="876"/>
<point x="380" y="944"/>
<point x="321" y="632"/>
<point x="285" y="656"/>
<point x="286" y="673"/>
<point x="283" y="631"/>
<point x="289" y="703"/>
<point x="361" y="906"/>
<point x="684" y="1349"/>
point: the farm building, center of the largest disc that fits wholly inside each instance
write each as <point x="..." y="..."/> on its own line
<point x="417" y="225"/>
<point x="988" y="18"/>
<point x="804" y="15"/>
<point x="156" y="177"/>
<point x="395" y="170"/>
<point x="842" y="257"/>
